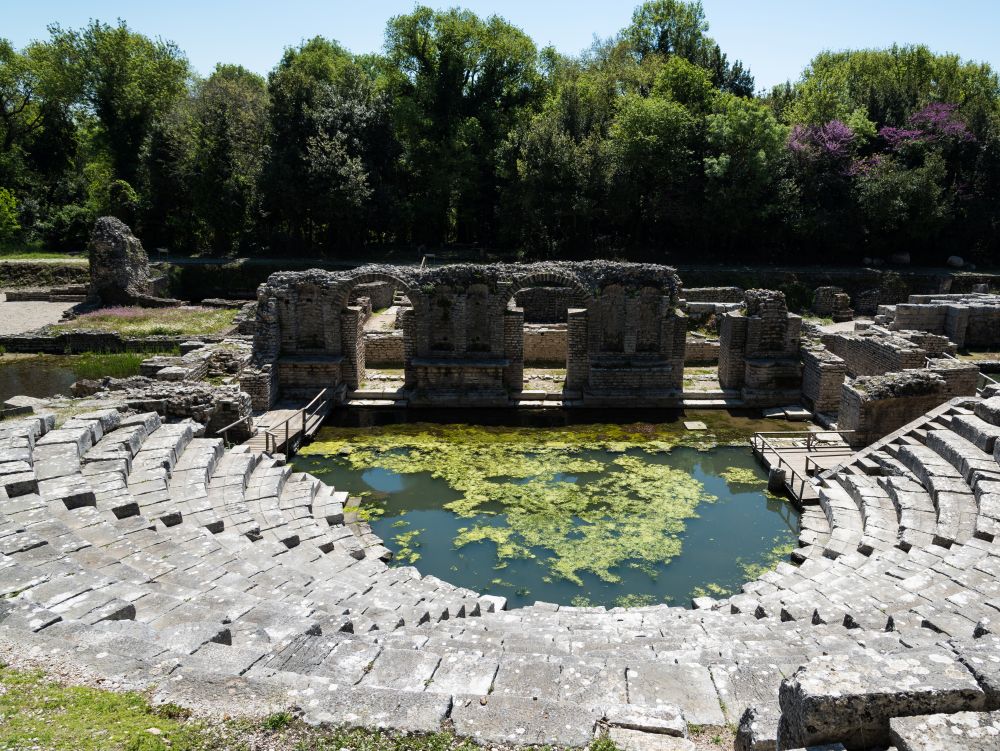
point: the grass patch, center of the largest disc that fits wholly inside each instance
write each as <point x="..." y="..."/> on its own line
<point x="36" y="713"/>
<point x="139" y="322"/>
<point x="115" y="365"/>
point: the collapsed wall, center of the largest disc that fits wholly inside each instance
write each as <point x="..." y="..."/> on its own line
<point x="874" y="406"/>
<point x="969" y="320"/>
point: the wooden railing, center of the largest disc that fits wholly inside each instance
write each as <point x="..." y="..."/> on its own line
<point x="766" y="444"/>
<point x="224" y="432"/>
<point x="286" y="428"/>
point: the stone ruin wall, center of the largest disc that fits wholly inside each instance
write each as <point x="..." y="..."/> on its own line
<point x="969" y="320"/>
<point x="832" y="302"/>
<point x="759" y="350"/>
<point x="874" y="406"/>
<point x="548" y="304"/>
<point x="463" y="337"/>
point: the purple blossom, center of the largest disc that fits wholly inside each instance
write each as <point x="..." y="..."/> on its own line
<point x="939" y="118"/>
<point x="832" y="140"/>
<point x="897" y="137"/>
<point x="936" y="121"/>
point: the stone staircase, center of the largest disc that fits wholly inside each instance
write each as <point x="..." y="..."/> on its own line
<point x="151" y="557"/>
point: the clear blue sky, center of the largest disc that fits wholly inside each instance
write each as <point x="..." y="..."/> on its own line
<point x="776" y="38"/>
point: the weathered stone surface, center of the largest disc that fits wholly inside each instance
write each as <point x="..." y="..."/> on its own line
<point x="962" y="731"/>
<point x="688" y="687"/>
<point x="508" y="719"/>
<point x="376" y="708"/>
<point x="850" y="698"/>
<point x="119" y="266"/>
<point x="636" y="740"/>
<point x="663" y="719"/>
<point x="758" y="729"/>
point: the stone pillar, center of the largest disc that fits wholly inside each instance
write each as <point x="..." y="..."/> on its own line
<point x="353" y="346"/>
<point x="956" y="323"/>
<point x="576" y="349"/>
<point x="674" y="342"/>
<point x="822" y="378"/>
<point x="513" y="342"/>
<point x="407" y="322"/>
<point x="732" y="345"/>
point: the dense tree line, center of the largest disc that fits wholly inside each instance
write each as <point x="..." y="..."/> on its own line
<point x="652" y="144"/>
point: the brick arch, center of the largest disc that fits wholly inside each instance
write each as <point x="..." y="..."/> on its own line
<point x="350" y="279"/>
<point x="547" y="279"/>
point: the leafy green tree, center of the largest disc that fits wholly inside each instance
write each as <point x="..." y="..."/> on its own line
<point x="230" y="118"/>
<point x="654" y="168"/>
<point x="459" y="85"/>
<point x="744" y="161"/>
<point x="9" y="225"/>
<point x="889" y="85"/>
<point x="127" y="80"/>
<point x="329" y="134"/>
<point x="674" y="28"/>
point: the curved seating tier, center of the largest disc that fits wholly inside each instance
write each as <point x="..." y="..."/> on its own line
<point x="152" y="556"/>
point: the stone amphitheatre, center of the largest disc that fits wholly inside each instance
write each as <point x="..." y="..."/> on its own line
<point x="156" y="536"/>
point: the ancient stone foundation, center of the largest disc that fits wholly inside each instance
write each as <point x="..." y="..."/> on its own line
<point x="463" y="338"/>
<point x="874" y="406"/>
<point x="969" y="320"/>
<point x="759" y="350"/>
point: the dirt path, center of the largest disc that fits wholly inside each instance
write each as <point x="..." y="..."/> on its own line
<point x="19" y="317"/>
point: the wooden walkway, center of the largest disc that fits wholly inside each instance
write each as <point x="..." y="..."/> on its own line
<point x="802" y="454"/>
<point x="287" y="427"/>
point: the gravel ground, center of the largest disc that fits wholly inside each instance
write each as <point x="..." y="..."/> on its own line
<point x="19" y="317"/>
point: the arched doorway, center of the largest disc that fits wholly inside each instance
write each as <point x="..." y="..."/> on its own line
<point x="541" y="305"/>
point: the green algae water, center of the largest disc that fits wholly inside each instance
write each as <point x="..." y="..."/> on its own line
<point x="594" y="514"/>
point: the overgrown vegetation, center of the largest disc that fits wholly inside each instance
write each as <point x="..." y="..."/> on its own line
<point x="139" y="322"/>
<point x="463" y="132"/>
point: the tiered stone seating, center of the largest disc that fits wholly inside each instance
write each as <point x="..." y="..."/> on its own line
<point x="149" y="556"/>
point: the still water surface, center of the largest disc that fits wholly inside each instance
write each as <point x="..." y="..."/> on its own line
<point x="576" y="525"/>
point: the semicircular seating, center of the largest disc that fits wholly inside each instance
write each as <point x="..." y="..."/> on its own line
<point x="150" y="556"/>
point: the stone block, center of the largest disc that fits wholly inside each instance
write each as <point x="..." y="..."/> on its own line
<point x="850" y="698"/>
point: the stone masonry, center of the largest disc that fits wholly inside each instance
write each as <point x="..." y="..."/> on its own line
<point x="463" y="337"/>
<point x="759" y="350"/>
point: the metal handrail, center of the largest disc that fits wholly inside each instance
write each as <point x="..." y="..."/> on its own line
<point x="793" y="479"/>
<point x="304" y="414"/>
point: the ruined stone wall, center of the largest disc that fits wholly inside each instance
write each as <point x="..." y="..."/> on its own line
<point x="832" y="302"/>
<point x="463" y="338"/>
<point x="384" y="348"/>
<point x="699" y="349"/>
<point x="874" y="352"/>
<point x="545" y="344"/>
<point x="969" y="320"/>
<point x="378" y="293"/>
<point x="759" y="350"/>
<point x="548" y="304"/>
<point x="874" y="406"/>
<point x="823" y="375"/>
<point x="714" y="294"/>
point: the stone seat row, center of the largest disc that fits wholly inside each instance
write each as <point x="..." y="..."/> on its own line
<point x="145" y="464"/>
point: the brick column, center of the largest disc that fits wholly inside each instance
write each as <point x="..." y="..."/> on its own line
<point x="353" y="346"/>
<point x="577" y="355"/>
<point x="513" y="344"/>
